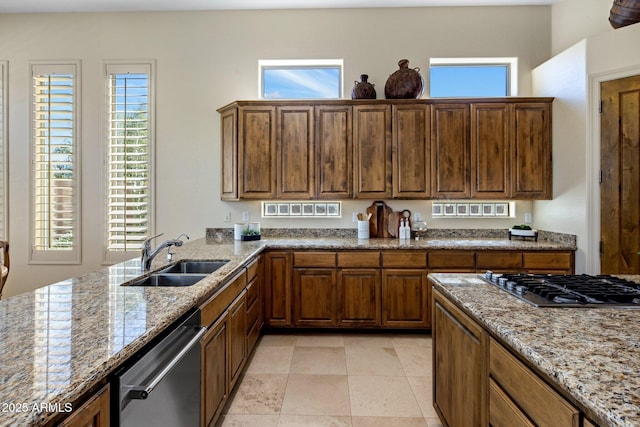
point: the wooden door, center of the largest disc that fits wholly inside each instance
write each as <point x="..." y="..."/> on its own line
<point x="334" y="152"/>
<point x="257" y="153"/>
<point x="450" y="151"/>
<point x="620" y="168"/>
<point x="295" y="152"/>
<point x="405" y="298"/>
<point x="229" y="154"/>
<point x="214" y="383"/>
<point x="411" y="151"/>
<point x="314" y="298"/>
<point x="359" y="297"/>
<point x="277" y="289"/>
<point x="490" y="151"/>
<point x="531" y="169"/>
<point x="93" y="413"/>
<point x="372" y="151"/>
<point x="237" y="338"/>
<point x="459" y="366"/>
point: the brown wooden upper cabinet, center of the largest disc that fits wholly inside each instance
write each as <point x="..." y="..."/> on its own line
<point x="484" y="148"/>
<point x="372" y="151"/>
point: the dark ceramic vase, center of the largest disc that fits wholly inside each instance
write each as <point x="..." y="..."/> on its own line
<point x="405" y="83"/>
<point x="363" y="89"/>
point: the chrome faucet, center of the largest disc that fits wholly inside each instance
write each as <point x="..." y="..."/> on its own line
<point x="148" y="255"/>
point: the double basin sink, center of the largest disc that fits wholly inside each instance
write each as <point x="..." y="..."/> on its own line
<point x="184" y="273"/>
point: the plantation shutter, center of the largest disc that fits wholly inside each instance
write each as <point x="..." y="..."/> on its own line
<point x="128" y="141"/>
<point x="54" y="167"/>
<point x="3" y="145"/>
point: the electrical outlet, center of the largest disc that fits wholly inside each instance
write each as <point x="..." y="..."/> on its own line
<point x="245" y="216"/>
<point x="355" y="217"/>
<point x="417" y="216"/>
<point x="527" y="218"/>
<point x="227" y="217"/>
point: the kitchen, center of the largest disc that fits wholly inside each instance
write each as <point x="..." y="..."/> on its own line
<point x="224" y="50"/>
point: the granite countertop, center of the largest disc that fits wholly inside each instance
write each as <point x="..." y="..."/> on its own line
<point x="60" y="341"/>
<point x="591" y="354"/>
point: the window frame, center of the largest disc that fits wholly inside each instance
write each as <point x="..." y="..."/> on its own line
<point x="122" y="67"/>
<point x="52" y="256"/>
<point x="4" y="152"/>
<point x="299" y="64"/>
<point x="510" y="62"/>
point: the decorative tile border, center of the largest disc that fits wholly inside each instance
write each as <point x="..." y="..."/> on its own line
<point x="302" y="209"/>
<point x="471" y="210"/>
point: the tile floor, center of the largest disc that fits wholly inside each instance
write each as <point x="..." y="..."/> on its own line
<point x="337" y="380"/>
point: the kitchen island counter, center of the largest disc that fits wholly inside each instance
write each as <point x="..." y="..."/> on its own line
<point x="61" y="341"/>
<point x="589" y="355"/>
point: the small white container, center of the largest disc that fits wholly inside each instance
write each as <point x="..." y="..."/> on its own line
<point x="363" y="229"/>
<point x="238" y="229"/>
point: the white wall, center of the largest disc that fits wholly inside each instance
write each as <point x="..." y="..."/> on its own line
<point x="208" y="59"/>
<point x="575" y="20"/>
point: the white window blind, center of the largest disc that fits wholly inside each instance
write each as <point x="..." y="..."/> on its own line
<point x="55" y="171"/>
<point x="129" y="138"/>
<point x="3" y="150"/>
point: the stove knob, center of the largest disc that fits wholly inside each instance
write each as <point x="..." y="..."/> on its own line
<point x="510" y="284"/>
<point x="502" y="281"/>
<point x="488" y="275"/>
<point x="521" y="289"/>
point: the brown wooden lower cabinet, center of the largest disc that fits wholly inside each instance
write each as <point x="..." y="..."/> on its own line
<point x="277" y="286"/>
<point x="405" y="298"/>
<point x="215" y="374"/>
<point x="314" y="299"/>
<point x="359" y="299"/>
<point x="237" y="338"/>
<point x="92" y="413"/>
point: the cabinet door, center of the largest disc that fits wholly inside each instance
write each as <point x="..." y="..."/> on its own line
<point x="334" y="152"/>
<point x="237" y="338"/>
<point x="459" y="366"/>
<point x="405" y="298"/>
<point x="490" y="151"/>
<point x="277" y="288"/>
<point x="359" y="297"/>
<point x="314" y="296"/>
<point x="93" y="413"/>
<point x="411" y="151"/>
<point x="531" y="151"/>
<point x="450" y="156"/>
<point x="372" y="151"/>
<point x="214" y="383"/>
<point x="295" y="152"/>
<point x="229" y="154"/>
<point x="257" y="153"/>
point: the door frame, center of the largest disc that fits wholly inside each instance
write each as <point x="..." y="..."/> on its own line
<point x="593" y="162"/>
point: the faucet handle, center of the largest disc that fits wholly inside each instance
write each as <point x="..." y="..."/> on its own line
<point x="147" y="242"/>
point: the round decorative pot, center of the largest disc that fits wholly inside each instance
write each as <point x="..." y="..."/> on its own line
<point x="624" y="12"/>
<point x="363" y="89"/>
<point x="405" y="83"/>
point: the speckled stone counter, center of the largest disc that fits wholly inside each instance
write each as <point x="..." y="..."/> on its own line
<point x="60" y="341"/>
<point x="590" y="354"/>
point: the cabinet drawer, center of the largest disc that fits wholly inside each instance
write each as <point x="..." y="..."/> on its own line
<point x="548" y="260"/>
<point x="511" y="260"/>
<point x="219" y="302"/>
<point x="252" y="315"/>
<point x="314" y="259"/>
<point x="502" y="411"/>
<point x="543" y="405"/>
<point x="452" y="259"/>
<point x="404" y="259"/>
<point x="252" y="292"/>
<point x="252" y="269"/>
<point x="359" y="259"/>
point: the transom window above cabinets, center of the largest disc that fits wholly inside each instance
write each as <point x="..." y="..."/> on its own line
<point x="473" y="77"/>
<point x="300" y="78"/>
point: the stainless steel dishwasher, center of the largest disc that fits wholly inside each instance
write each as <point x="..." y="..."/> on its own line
<point x="162" y="387"/>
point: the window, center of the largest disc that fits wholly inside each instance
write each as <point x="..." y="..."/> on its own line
<point x="3" y="150"/>
<point x="473" y="77"/>
<point x="300" y="79"/>
<point x="55" y="215"/>
<point x="129" y="145"/>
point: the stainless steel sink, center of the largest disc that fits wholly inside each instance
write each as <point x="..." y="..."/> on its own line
<point x="163" y="279"/>
<point x="195" y="267"/>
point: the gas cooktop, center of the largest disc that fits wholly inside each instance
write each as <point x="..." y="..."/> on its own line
<point x="581" y="291"/>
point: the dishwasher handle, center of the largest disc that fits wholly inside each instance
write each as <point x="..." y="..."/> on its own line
<point x="143" y="391"/>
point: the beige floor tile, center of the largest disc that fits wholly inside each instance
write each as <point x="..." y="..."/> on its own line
<point x="233" y="420"/>
<point x="278" y="339"/>
<point x="368" y="340"/>
<point x="259" y="394"/>
<point x="382" y="397"/>
<point x="320" y="340"/>
<point x="422" y="388"/>
<point x="319" y="360"/>
<point x="388" y="422"/>
<point x="316" y="395"/>
<point x="416" y="361"/>
<point x="313" y="421"/>
<point x="433" y="422"/>
<point x="274" y="359"/>
<point x="413" y="340"/>
<point x="373" y="361"/>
